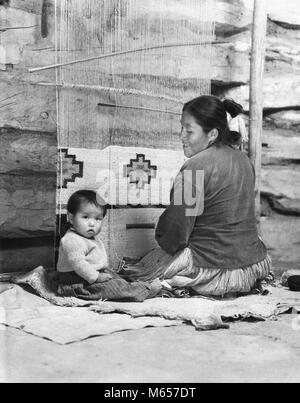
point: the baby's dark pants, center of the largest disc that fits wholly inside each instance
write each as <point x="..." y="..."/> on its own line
<point x="115" y="289"/>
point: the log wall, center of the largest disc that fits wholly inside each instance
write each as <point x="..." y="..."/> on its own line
<point x="28" y="123"/>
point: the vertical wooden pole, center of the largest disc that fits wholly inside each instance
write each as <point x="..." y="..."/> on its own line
<point x="256" y="93"/>
<point x="44" y="19"/>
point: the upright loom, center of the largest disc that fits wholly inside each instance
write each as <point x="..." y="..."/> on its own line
<point x="124" y="70"/>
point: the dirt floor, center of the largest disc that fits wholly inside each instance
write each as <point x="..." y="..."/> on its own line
<point x="258" y="352"/>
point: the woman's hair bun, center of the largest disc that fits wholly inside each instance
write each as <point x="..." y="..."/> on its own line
<point x="232" y="107"/>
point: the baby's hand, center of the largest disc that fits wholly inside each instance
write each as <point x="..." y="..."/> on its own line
<point x="103" y="277"/>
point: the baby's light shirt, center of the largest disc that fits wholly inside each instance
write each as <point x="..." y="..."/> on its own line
<point x="86" y="257"/>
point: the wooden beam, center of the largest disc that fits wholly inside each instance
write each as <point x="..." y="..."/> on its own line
<point x="141" y="108"/>
<point x="101" y="89"/>
<point x="256" y="94"/>
<point x="3" y="29"/>
<point x="122" y="53"/>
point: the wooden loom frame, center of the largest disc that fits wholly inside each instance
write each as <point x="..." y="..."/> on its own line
<point x="256" y="95"/>
<point x="256" y="91"/>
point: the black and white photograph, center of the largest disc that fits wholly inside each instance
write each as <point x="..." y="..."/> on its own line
<point x="149" y="194"/>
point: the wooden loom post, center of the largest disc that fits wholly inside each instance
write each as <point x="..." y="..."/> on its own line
<point x="256" y="94"/>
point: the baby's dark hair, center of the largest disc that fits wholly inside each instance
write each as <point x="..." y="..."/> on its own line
<point x="211" y="113"/>
<point x="85" y="196"/>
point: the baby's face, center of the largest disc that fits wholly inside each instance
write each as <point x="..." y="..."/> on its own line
<point x="88" y="220"/>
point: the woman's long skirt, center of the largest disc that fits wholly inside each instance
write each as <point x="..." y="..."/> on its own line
<point x="180" y="272"/>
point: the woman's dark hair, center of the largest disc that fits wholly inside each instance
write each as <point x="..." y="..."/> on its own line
<point x="211" y="113"/>
<point x="85" y="196"/>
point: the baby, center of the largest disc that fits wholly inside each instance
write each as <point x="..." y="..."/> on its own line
<point x="80" y="252"/>
<point x="83" y="267"/>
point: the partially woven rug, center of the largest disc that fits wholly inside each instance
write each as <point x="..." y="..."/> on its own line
<point x="203" y="313"/>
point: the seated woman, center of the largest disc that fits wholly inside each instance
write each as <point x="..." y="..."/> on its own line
<point x="211" y="247"/>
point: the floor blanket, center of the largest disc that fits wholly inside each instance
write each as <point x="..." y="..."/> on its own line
<point x="203" y="313"/>
<point x="22" y="310"/>
<point x="207" y="314"/>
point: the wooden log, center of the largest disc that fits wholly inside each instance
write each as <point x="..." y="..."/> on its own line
<point x="279" y="91"/>
<point x="287" y="120"/>
<point x="22" y="255"/>
<point x="13" y="41"/>
<point x="230" y="16"/>
<point x="288" y="16"/>
<point x="34" y="108"/>
<point x="30" y="6"/>
<point x="281" y="234"/>
<point x="285" y="33"/>
<point x="282" y="185"/>
<point x="281" y="157"/>
<point x="27" y="204"/>
<point x="280" y="147"/>
<point x="39" y="110"/>
<point x="29" y="107"/>
<point x="22" y="151"/>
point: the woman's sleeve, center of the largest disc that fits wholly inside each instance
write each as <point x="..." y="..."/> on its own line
<point x="75" y="253"/>
<point x="177" y="222"/>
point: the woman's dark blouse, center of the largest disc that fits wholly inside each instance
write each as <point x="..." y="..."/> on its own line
<point x="225" y="235"/>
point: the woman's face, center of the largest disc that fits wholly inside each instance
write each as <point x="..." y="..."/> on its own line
<point x="193" y="137"/>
